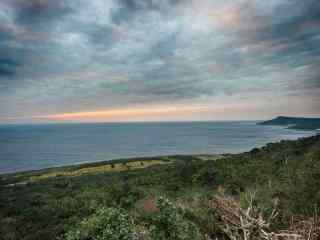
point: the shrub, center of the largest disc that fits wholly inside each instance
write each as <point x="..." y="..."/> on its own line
<point x="105" y="224"/>
<point x="169" y="223"/>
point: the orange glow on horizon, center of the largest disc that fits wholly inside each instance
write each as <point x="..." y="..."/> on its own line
<point x="143" y="113"/>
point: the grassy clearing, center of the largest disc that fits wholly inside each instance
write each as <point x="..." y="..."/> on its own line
<point x="86" y="170"/>
<point x="210" y="157"/>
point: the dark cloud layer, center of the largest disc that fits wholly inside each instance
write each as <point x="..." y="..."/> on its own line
<point x="83" y="55"/>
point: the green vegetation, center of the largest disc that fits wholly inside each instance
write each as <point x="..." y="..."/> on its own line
<point x="298" y="123"/>
<point x="173" y="197"/>
<point x="106" y="224"/>
<point x="170" y="224"/>
<point x="113" y="166"/>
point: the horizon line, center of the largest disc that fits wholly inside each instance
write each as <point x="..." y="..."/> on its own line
<point x="131" y="121"/>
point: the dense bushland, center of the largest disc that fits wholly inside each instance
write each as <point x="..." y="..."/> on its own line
<point x="177" y="200"/>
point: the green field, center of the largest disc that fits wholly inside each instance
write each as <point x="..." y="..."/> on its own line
<point x="170" y="197"/>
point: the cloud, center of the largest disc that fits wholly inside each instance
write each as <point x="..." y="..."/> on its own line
<point x="87" y="55"/>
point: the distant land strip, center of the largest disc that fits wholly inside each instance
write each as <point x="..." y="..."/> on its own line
<point x="298" y="123"/>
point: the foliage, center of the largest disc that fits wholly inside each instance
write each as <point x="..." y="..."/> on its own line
<point x="287" y="172"/>
<point x="105" y="224"/>
<point x="169" y="224"/>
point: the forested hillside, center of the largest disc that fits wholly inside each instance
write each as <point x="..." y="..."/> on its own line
<point x="267" y="193"/>
<point x="299" y="123"/>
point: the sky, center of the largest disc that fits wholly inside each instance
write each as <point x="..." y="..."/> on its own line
<point x="158" y="60"/>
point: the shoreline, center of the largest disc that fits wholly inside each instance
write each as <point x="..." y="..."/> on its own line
<point x="112" y="166"/>
<point x="87" y="162"/>
<point x="68" y="170"/>
<point x="77" y="166"/>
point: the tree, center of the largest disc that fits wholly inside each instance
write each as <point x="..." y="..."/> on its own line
<point x="105" y="224"/>
<point x="169" y="224"/>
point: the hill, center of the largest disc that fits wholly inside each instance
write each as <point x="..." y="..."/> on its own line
<point x="269" y="190"/>
<point x="295" y="122"/>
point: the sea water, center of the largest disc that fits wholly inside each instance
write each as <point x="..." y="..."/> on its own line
<point x="30" y="147"/>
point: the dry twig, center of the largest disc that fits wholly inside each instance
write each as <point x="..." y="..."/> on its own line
<point x="249" y="224"/>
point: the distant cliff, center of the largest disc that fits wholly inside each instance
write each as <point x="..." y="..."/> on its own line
<point x="295" y="122"/>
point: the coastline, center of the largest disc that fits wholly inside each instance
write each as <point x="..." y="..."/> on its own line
<point x="107" y="166"/>
<point x="55" y="170"/>
<point x="295" y="123"/>
<point x="117" y="165"/>
<point x="46" y="204"/>
<point x="72" y="146"/>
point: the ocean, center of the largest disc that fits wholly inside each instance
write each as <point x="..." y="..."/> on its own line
<point x="31" y="147"/>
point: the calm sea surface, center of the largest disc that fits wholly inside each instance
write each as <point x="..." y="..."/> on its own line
<point x="28" y="147"/>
